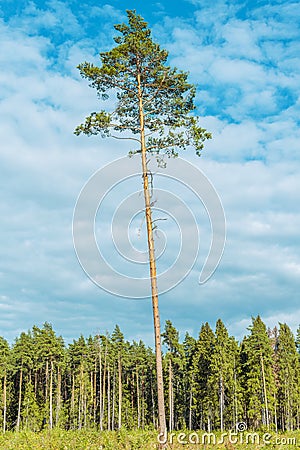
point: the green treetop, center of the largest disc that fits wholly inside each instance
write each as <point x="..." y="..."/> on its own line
<point x="136" y="71"/>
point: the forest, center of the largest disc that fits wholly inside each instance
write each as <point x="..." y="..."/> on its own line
<point x="104" y="382"/>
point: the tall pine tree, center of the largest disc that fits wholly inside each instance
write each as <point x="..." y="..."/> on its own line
<point x="154" y="109"/>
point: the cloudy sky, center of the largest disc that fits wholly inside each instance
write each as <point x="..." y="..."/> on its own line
<point x="243" y="57"/>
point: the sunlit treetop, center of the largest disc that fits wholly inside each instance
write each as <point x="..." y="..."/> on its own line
<point x="151" y="97"/>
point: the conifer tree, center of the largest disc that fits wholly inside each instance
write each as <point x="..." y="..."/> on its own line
<point x="258" y="375"/>
<point x="154" y="106"/>
<point x="49" y="350"/>
<point x="23" y="357"/>
<point x="288" y="374"/>
<point x="4" y="367"/>
<point x="189" y="347"/>
<point x="174" y="360"/>
<point x="205" y="397"/>
<point x="223" y="377"/>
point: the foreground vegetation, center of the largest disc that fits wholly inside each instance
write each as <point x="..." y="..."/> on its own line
<point x="136" y="440"/>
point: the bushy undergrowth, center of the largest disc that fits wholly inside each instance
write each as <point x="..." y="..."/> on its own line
<point x="131" y="440"/>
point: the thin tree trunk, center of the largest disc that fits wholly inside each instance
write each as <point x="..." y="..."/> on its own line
<point x="95" y="395"/>
<point x="113" y="400"/>
<point x="100" y="386"/>
<point x="20" y="399"/>
<point x="221" y="402"/>
<point x="108" y="398"/>
<point x="73" y="402"/>
<point x="35" y="383"/>
<point x="58" y="397"/>
<point x="152" y="262"/>
<point x="190" y="406"/>
<point x="152" y="399"/>
<point x="138" y="399"/>
<point x="171" y="425"/>
<point x="143" y="403"/>
<point x="4" y="402"/>
<point x="84" y="406"/>
<point x="120" y="392"/>
<point x="47" y="380"/>
<point x="80" y="399"/>
<point x="275" y="413"/>
<point x="51" y="397"/>
<point x="235" y="420"/>
<point x="103" y="388"/>
<point x="265" y="392"/>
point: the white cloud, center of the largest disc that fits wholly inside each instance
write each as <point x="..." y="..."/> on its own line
<point x="248" y="77"/>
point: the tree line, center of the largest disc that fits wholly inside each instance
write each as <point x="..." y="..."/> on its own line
<point x="105" y="382"/>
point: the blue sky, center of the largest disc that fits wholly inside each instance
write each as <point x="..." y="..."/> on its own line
<point x="244" y="59"/>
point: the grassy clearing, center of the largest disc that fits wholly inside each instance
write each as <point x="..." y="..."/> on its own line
<point x="140" y="440"/>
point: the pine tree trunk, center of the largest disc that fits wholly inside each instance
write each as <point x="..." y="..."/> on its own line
<point x="152" y="399"/>
<point x="143" y="403"/>
<point x="4" y="402"/>
<point x="138" y="399"/>
<point x="73" y="401"/>
<point x="275" y="413"/>
<point x="152" y="262"/>
<point x="120" y="392"/>
<point x="103" y="388"/>
<point x="235" y="419"/>
<point x="80" y="402"/>
<point x="108" y="398"/>
<point x="113" y="400"/>
<point x="20" y="399"/>
<point x="51" y="397"/>
<point x="171" y="414"/>
<point x="47" y="380"/>
<point x="265" y="392"/>
<point x="100" y="387"/>
<point x="95" y="396"/>
<point x="221" y="403"/>
<point x="58" y="397"/>
<point x="190" y="407"/>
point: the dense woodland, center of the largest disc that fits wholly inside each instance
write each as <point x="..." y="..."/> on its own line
<point x="105" y="382"/>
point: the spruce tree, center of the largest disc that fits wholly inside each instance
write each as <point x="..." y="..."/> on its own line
<point x="223" y="377"/>
<point x="205" y="398"/>
<point x="23" y="357"/>
<point x="288" y="375"/>
<point x="154" y="109"/>
<point x="189" y="347"/>
<point x="49" y="351"/>
<point x="258" y="375"/>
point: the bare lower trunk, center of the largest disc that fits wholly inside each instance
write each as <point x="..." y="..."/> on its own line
<point x="58" y="397"/>
<point x="190" y="407"/>
<point x="108" y="398"/>
<point x="221" y="403"/>
<point x="4" y="403"/>
<point x="20" y="400"/>
<point x="113" y="400"/>
<point x="51" y="397"/>
<point x="120" y="392"/>
<point x="152" y="262"/>
<point x="138" y="399"/>
<point x="171" y="398"/>
<point x="265" y="392"/>
<point x="73" y="401"/>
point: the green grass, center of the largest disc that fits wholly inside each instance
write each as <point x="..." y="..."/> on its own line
<point x="136" y="440"/>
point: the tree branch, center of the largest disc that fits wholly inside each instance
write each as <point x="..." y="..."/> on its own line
<point x="125" y="138"/>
